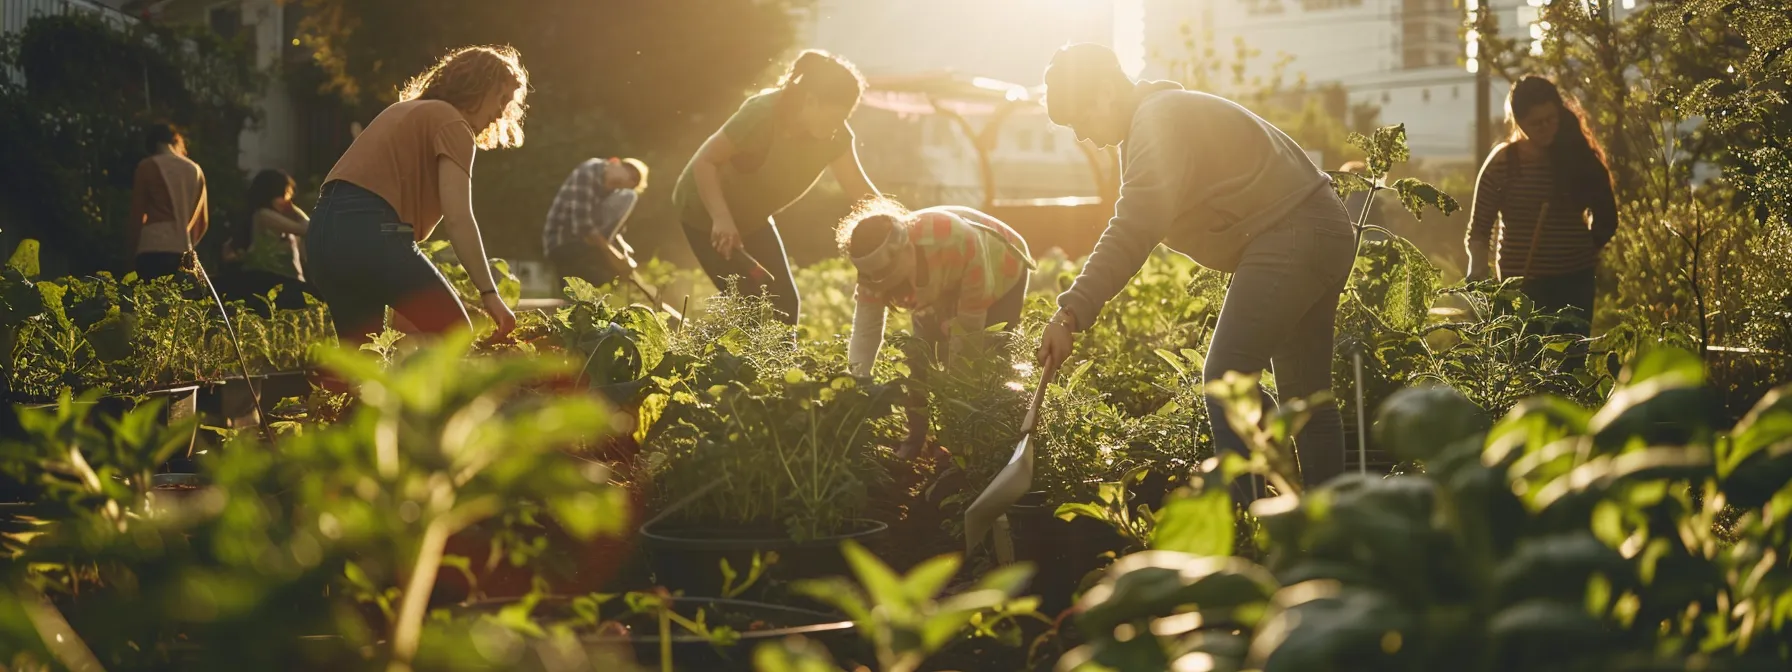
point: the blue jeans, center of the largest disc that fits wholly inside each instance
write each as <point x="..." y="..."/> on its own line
<point x="766" y="246"/>
<point x="361" y="260"/>
<point x="1280" y="311"/>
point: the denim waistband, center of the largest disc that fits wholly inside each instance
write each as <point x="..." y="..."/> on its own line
<point x="348" y="203"/>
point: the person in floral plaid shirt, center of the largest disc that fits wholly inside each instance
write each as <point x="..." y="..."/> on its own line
<point x="587" y="215"/>
<point x="957" y="270"/>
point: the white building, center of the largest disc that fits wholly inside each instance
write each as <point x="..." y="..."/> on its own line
<point x="1405" y="56"/>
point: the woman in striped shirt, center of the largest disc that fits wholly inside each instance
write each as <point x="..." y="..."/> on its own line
<point x="1544" y="205"/>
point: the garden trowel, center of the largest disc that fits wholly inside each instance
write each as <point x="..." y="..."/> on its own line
<point x="623" y="263"/>
<point x="989" y="511"/>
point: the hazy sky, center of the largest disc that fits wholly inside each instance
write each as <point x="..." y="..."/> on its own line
<point x="1004" y="39"/>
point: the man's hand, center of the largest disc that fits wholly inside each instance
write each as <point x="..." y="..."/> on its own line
<point x="1059" y="337"/>
<point x="500" y="314"/>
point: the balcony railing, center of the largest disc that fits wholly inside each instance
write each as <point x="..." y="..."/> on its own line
<point x="14" y="14"/>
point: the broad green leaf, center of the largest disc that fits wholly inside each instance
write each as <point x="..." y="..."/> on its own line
<point x="1416" y="195"/>
<point x="24" y="258"/>
<point x="1070" y="510"/>
<point x="1156" y="583"/>
<point x="1417" y="422"/>
<point x="1557" y="567"/>
<point x="883" y="586"/>
<point x="1359" y="625"/>
<point x="929" y="578"/>
<point x="1173" y="360"/>
<point x="1347" y="183"/>
<point x="1202" y="524"/>
<point x="840" y="593"/>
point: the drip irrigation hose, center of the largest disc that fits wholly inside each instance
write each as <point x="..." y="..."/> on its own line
<point x="261" y="421"/>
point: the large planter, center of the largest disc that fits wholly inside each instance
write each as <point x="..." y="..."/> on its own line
<point x="1063" y="552"/>
<point x="688" y="557"/>
<point x="637" y="636"/>
<point x="230" y="403"/>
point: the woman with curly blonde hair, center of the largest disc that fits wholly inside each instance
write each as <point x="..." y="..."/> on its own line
<point x="410" y="169"/>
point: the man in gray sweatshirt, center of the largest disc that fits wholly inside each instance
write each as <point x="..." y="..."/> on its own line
<point x="1209" y="179"/>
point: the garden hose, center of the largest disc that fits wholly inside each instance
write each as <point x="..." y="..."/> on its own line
<point x="198" y="270"/>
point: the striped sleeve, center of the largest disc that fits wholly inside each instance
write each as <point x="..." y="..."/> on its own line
<point x="1485" y="212"/>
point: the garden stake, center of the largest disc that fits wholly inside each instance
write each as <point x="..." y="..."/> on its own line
<point x="1362" y="441"/>
<point x="261" y="422"/>
<point x="1363" y="226"/>
<point x="1007" y="487"/>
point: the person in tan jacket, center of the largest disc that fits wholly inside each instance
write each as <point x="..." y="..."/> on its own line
<point x="408" y="171"/>
<point x="168" y="205"/>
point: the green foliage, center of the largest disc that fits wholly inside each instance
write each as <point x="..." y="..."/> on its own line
<point x="744" y="429"/>
<point x="905" y="617"/>
<point x="293" y="539"/>
<point x="1557" y="538"/>
<point x="134" y="336"/>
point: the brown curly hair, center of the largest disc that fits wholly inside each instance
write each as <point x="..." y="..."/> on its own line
<point x="874" y="216"/>
<point x="465" y="76"/>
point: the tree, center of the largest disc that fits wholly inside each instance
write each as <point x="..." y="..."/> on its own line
<point x="74" y="127"/>
<point x="648" y="79"/>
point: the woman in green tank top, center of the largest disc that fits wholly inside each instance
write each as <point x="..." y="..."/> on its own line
<point x="763" y="159"/>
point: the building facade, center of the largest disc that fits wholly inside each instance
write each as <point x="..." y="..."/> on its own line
<point x="1404" y="56"/>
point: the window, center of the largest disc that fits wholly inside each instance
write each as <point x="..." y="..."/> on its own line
<point x="1456" y="92"/>
<point x="226" y="21"/>
<point x="1023" y="140"/>
<point x="1425" y="95"/>
<point x="1385" y="98"/>
<point x="1049" y="143"/>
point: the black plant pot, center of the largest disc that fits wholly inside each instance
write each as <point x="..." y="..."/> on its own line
<point x="688" y="558"/>
<point x="229" y="403"/>
<point x="637" y="636"/>
<point x="1062" y="552"/>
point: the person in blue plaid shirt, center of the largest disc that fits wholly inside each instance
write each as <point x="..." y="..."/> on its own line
<point x="587" y="216"/>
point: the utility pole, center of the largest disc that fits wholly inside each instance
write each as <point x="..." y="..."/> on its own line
<point x="1477" y="63"/>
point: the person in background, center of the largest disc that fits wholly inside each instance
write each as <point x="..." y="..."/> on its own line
<point x="588" y="215"/>
<point x="957" y="270"/>
<point x="1206" y="177"/>
<point x="265" y="243"/>
<point x="1544" y="205"/>
<point x="410" y="169"/>
<point x="763" y="159"/>
<point x="168" y="204"/>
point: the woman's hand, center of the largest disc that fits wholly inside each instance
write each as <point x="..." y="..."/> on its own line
<point x="1059" y="337"/>
<point x="724" y="236"/>
<point x="500" y="314"/>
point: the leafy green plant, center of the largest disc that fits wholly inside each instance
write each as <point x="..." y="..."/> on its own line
<point x="341" y="519"/>
<point x="798" y="456"/>
<point x="905" y="617"/>
<point x="1557" y="538"/>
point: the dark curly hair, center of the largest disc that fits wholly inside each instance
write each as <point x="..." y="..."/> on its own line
<point x="466" y="76"/>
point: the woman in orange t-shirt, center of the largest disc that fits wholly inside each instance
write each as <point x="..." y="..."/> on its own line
<point x="410" y="169"/>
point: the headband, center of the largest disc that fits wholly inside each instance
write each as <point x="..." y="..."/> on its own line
<point x="878" y="264"/>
